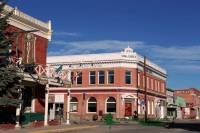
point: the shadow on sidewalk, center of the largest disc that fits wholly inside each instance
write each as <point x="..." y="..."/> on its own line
<point x="185" y="126"/>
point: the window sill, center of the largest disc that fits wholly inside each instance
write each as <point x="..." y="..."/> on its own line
<point x="91" y="112"/>
<point x="110" y="112"/>
<point x="92" y="84"/>
<point x="74" y="112"/>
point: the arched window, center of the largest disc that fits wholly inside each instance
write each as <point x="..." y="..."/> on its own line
<point x="74" y="104"/>
<point x="148" y="109"/>
<point x="92" y="104"/>
<point x="111" y="105"/>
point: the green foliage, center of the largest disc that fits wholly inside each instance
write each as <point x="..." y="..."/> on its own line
<point x="152" y="122"/>
<point x="9" y="82"/>
<point x="109" y="119"/>
<point x="10" y="79"/>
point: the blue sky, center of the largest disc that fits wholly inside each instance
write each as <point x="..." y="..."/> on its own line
<point x="166" y="31"/>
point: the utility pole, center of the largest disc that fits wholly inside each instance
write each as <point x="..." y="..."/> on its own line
<point x="145" y="87"/>
<point x="137" y="91"/>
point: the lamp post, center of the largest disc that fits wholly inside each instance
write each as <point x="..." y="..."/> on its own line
<point x="46" y="105"/>
<point x="69" y="78"/>
<point x="46" y="99"/>
<point x="68" y="107"/>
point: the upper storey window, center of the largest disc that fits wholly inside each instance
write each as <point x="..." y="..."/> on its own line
<point x="92" y="77"/>
<point x="139" y="80"/>
<point x="79" y="78"/>
<point x="111" y="76"/>
<point x="128" y="77"/>
<point x="101" y="77"/>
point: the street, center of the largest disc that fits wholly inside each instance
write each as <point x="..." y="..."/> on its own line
<point x="183" y="126"/>
<point x="131" y="128"/>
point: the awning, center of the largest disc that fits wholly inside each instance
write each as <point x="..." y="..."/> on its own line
<point x="172" y="106"/>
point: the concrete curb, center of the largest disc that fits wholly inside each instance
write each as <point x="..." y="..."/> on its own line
<point x="63" y="129"/>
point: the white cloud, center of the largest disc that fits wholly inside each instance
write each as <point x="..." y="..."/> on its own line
<point x="176" y="52"/>
<point x="174" y="57"/>
<point x="63" y="33"/>
<point x="93" y="46"/>
<point x="188" y="67"/>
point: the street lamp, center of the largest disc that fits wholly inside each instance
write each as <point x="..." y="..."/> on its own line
<point x="68" y="106"/>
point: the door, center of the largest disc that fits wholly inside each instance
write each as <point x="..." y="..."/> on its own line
<point x="128" y="109"/>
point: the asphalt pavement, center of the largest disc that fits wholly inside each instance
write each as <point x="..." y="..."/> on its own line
<point x="183" y="126"/>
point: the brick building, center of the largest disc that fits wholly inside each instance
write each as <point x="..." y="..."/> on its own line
<point x="171" y="107"/>
<point x="192" y="99"/>
<point x="108" y="83"/>
<point x="29" y="54"/>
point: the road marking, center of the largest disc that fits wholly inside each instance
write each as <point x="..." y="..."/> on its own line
<point x="64" y="129"/>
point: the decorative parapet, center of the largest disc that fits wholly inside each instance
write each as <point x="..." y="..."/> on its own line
<point x="26" y="22"/>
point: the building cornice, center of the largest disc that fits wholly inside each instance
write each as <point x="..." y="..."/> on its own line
<point x="114" y="59"/>
<point x="26" y="22"/>
<point x="107" y="89"/>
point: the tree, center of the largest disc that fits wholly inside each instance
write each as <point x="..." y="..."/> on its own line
<point x="10" y="78"/>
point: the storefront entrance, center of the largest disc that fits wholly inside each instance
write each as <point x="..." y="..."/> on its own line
<point x="128" y="109"/>
<point x="129" y="101"/>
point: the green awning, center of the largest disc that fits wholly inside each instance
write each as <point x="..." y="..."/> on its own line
<point x="180" y="101"/>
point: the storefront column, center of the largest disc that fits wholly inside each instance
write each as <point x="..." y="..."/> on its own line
<point x="162" y="112"/>
<point x="18" y="110"/>
<point x="197" y="115"/>
<point x="46" y="106"/>
<point x="33" y="105"/>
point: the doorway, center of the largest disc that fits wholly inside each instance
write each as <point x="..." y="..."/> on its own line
<point x="128" y="109"/>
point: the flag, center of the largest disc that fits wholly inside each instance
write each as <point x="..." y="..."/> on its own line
<point x="76" y="75"/>
<point x="59" y="69"/>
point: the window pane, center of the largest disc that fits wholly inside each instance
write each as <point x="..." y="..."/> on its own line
<point x="111" y="107"/>
<point x="111" y="104"/>
<point x="128" y="77"/>
<point x="111" y="77"/>
<point x="111" y="99"/>
<point x="101" y="77"/>
<point x="92" y="107"/>
<point x="92" y="99"/>
<point x="79" y="78"/>
<point x="92" y="77"/>
<point x="73" y="107"/>
<point x="73" y="99"/>
<point x="59" y="110"/>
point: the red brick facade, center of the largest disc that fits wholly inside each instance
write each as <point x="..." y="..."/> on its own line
<point x="192" y="99"/>
<point x="116" y="90"/>
<point x="30" y="48"/>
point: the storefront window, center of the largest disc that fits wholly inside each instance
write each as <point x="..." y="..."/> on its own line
<point x="111" y="77"/>
<point x="59" y="110"/>
<point x="128" y="77"/>
<point x="79" y="78"/>
<point x="101" y="77"/>
<point x="92" y="77"/>
<point x="111" y="105"/>
<point x="92" y="104"/>
<point x="73" y="104"/>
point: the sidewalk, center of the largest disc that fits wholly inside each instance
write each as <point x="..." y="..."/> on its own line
<point x="50" y="129"/>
